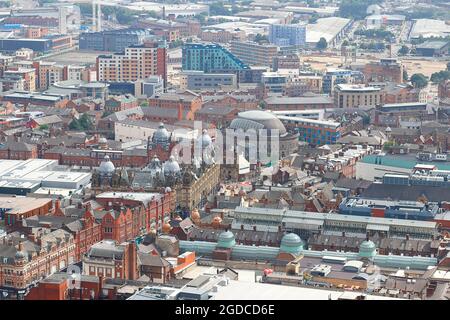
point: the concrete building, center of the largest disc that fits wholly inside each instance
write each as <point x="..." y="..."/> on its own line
<point x="378" y="20"/>
<point x="332" y="29"/>
<point x="298" y="103"/>
<point x="254" y="53"/>
<point x="333" y="77"/>
<point x="148" y="88"/>
<point x="433" y="49"/>
<point x="20" y="79"/>
<point x="113" y="40"/>
<point x="315" y="132"/>
<point x="136" y="63"/>
<point x="199" y="80"/>
<point x="285" y="35"/>
<point x="26" y="176"/>
<point x="352" y="96"/>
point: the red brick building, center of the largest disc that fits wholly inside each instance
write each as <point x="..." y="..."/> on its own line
<point x="27" y="261"/>
<point x="189" y="101"/>
<point x="119" y="103"/>
<point x="125" y="216"/>
<point x="17" y="209"/>
<point x="16" y="150"/>
<point x="385" y="70"/>
<point x="93" y="158"/>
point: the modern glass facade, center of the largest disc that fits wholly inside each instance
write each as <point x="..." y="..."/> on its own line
<point x="210" y="58"/>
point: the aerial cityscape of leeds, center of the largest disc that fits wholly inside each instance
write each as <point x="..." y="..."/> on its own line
<point x="224" y="150"/>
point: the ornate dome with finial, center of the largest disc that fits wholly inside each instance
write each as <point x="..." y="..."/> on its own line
<point x="367" y="249"/>
<point x="291" y="243"/>
<point x="171" y="167"/>
<point x="226" y="240"/>
<point x="106" y="166"/>
<point x="161" y="135"/>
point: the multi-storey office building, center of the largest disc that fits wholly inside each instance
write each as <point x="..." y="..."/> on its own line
<point x="210" y="58"/>
<point x="333" y="77"/>
<point x="113" y="40"/>
<point x="198" y="80"/>
<point x="254" y="53"/>
<point x="316" y="132"/>
<point x="354" y="96"/>
<point x="135" y="63"/>
<point x="284" y="35"/>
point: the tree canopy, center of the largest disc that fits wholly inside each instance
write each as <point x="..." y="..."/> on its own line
<point x="322" y="44"/>
<point x="82" y="124"/>
<point x="261" y="38"/>
<point x="419" y="80"/>
<point x="218" y="9"/>
<point x="375" y="34"/>
<point x="440" y="76"/>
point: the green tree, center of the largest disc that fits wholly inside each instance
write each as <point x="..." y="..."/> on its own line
<point x="84" y="123"/>
<point x="218" y="9"/>
<point x="43" y="127"/>
<point x="440" y="76"/>
<point x="404" y="50"/>
<point x="263" y="104"/>
<point x="419" y="80"/>
<point x="259" y="38"/>
<point x="322" y="44"/>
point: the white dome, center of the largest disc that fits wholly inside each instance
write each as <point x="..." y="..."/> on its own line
<point x="161" y="134"/>
<point x="171" y="166"/>
<point x="106" y="166"/>
<point x="102" y="140"/>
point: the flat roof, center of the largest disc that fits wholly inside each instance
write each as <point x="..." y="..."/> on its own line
<point x="137" y="196"/>
<point x="430" y="28"/>
<point x="19" y="205"/>
<point x="237" y="290"/>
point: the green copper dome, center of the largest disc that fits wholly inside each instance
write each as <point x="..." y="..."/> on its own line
<point x="226" y="240"/>
<point x="291" y="243"/>
<point x="367" y="249"/>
